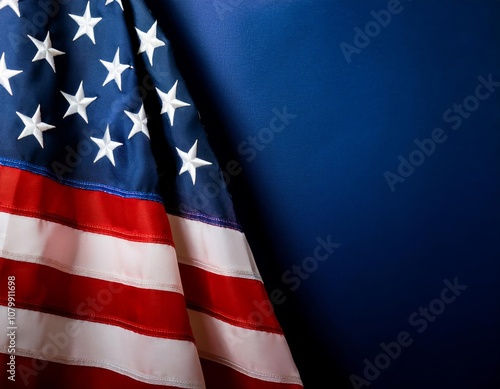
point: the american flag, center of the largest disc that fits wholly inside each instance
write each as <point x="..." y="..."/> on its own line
<point x="122" y="261"/>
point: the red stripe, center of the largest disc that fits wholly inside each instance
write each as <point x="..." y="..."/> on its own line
<point x="219" y="376"/>
<point x="37" y="374"/>
<point x="238" y="301"/>
<point x="29" y="194"/>
<point x="145" y="311"/>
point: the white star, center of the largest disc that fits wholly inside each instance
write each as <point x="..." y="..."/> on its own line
<point x="5" y="74"/>
<point x="190" y="162"/>
<point x="34" y="126"/>
<point x="78" y="103"/>
<point x="45" y="51"/>
<point x="106" y="147"/>
<point x="86" y="24"/>
<point x="149" y="42"/>
<point x="118" y="1"/>
<point x="115" y="70"/>
<point x="12" y="4"/>
<point x="170" y="103"/>
<point x="140" y="122"/>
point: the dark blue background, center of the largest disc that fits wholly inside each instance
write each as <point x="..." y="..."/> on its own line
<point x="323" y="175"/>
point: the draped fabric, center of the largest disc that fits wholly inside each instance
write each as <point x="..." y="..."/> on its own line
<point x="123" y="265"/>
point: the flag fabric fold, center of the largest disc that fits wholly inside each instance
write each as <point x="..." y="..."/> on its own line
<point x="122" y="261"/>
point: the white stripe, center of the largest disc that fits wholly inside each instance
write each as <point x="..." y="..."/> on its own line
<point x="144" y="265"/>
<point x="258" y="354"/>
<point x="74" y="342"/>
<point x="216" y="249"/>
